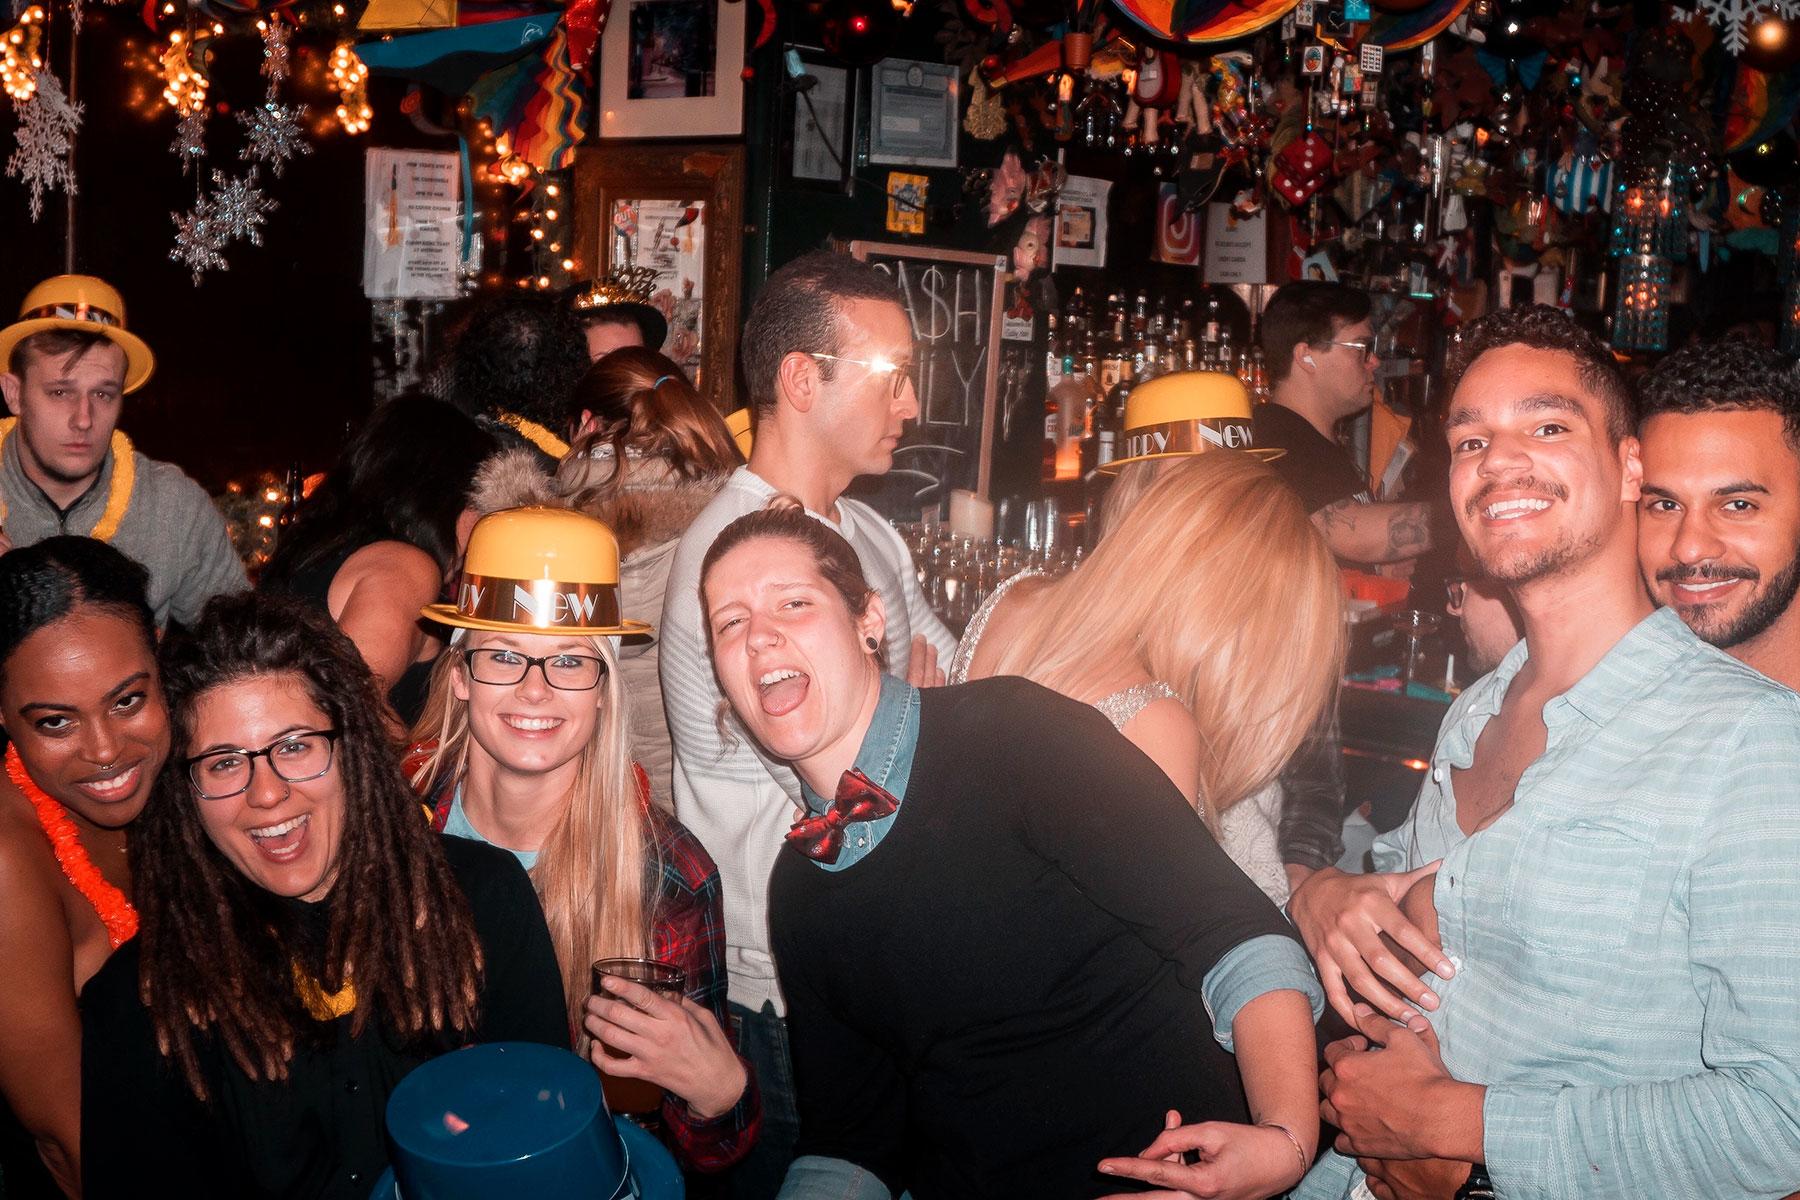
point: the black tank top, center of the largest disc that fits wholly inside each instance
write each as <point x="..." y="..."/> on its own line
<point x="312" y="583"/>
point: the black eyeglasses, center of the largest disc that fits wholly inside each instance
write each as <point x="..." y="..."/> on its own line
<point x="296" y="758"/>
<point x="1367" y="347"/>
<point x="564" y="672"/>
<point x="899" y="373"/>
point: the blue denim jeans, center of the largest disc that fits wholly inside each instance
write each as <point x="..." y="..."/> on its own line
<point x="762" y="1039"/>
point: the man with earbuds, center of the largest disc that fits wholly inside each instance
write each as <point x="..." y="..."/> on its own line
<point x="1320" y="349"/>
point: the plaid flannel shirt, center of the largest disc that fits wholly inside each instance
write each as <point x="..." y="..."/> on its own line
<point x="688" y="931"/>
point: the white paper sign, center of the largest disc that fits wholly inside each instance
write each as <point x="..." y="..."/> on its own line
<point x="412" y="230"/>
<point x="1237" y="247"/>
<point x="1081" y="222"/>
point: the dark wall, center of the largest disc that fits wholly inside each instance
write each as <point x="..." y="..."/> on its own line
<point x="263" y="364"/>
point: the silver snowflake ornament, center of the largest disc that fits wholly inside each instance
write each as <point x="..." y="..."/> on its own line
<point x="275" y="51"/>
<point x="1734" y="18"/>
<point x="190" y="139"/>
<point x="272" y="133"/>
<point x="197" y="241"/>
<point x="237" y="208"/>
<point x="47" y="127"/>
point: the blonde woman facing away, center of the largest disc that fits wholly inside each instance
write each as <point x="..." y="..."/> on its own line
<point x="1206" y="626"/>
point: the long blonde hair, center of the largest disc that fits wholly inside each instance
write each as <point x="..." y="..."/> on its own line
<point x="590" y="874"/>
<point x="1215" y="582"/>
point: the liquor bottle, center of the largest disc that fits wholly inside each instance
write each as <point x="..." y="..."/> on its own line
<point x="1100" y="420"/>
<point x="1053" y="423"/>
<point x="1223" y="358"/>
<point x="1062" y="442"/>
<point x="1259" y="376"/>
<point x="1115" y="352"/>
<point x="1140" y="315"/>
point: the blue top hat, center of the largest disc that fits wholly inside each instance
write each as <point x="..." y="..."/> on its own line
<point x="514" y="1119"/>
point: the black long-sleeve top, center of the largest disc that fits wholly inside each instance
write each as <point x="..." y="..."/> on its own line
<point x="321" y="1133"/>
<point x="1008" y="987"/>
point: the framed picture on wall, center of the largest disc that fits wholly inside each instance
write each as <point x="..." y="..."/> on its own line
<point x="913" y="110"/>
<point x="672" y="68"/>
<point x="819" y="121"/>
<point x="677" y="211"/>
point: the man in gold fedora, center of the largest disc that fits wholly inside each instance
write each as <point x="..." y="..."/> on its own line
<point x="66" y="468"/>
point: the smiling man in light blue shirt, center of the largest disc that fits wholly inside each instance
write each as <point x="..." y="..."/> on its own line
<point x="1619" y="892"/>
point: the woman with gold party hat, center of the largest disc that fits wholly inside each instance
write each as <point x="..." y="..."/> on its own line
<point x="523" y="745"/>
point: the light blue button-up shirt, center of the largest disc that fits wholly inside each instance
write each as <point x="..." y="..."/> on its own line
<point x="1627" y="934"/>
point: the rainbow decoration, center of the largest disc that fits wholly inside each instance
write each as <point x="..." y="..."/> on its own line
<point x="539" y="102"/>
<point x="1761" y="106"/>
<point x="1206" y="20"/>
<point x="1394" y="32"/>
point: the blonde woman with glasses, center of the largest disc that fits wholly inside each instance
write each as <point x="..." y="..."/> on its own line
<point x="523" y="744"/>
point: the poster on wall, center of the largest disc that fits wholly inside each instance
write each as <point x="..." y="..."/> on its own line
<point x="669" y="238"/>
<point x="1237" y="247"/>
<point x="1081" y="222"/>
<point x="912" y="113"/>
<point x="412" y="229"/>
<point x="906" y="202"/>
<point x="1177" y="230"/>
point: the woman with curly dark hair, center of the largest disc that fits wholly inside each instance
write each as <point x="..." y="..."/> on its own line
<point x="305" y="939"/>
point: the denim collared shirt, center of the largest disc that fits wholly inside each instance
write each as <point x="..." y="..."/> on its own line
<point x="886" y="757"/>
<point x="1248" y="970"/>
<point x="1627" y="934"/>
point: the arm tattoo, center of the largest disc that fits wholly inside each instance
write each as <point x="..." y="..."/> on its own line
<point x="1409" y="530"/>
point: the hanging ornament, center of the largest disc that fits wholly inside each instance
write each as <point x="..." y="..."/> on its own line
<point x="276" y="61"/>
<point x="184" y="77"/>
<point x="1735" y="18"/>
<point x="190" y="139"/>
<point x="272" y="133"/>
<point x="351" y="79"/>
<point x="237" y="207"/>
<point x="47" y="128"/>
<point x="19" y="57"/>
<point x="1774" y="45"/>
<point x="198" y="245"/>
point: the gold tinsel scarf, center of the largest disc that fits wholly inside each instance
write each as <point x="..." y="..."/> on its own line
<point x="118" y="496"/>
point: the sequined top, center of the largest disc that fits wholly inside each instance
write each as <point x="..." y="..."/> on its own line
<point x="965" y="649"/>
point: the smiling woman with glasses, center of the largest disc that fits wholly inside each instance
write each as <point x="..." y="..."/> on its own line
<point x="305" y="939"/>
<point x="523" y="744"/>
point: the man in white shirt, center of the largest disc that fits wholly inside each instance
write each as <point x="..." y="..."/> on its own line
<point x="827" y="355"/>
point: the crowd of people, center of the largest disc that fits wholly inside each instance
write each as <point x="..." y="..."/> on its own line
<point x="560" y="665"/>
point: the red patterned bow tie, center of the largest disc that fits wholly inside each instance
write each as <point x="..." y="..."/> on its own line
<point x="821" y="838"/>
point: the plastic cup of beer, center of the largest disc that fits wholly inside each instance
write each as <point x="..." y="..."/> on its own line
<point x="624" y="1095"/>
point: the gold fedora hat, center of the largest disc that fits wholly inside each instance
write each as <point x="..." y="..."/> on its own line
<point x="539" y="570"/>
<point x="84" y="304"/>
<point x="1189" y="412"/>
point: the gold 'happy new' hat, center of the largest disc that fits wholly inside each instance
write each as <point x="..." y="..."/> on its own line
<point x="539" y="570"/>
<point x="1189" y="412"/>
<point x="83" y="304"/>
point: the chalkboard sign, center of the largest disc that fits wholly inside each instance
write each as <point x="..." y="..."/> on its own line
<point x="954" y="299"/>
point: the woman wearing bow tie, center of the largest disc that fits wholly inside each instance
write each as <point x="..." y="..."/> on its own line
<point x="1001" y="936"/>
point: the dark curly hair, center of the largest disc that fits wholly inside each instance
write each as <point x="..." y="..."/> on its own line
<point x="44" y="582"/>
<point x="1540" y="327"/>
<point x="1728" y="375"/>
<point x="218" y="954"/>
<point x="800" y="309"/>
<point x="521" y="353"/>
<point x="404" y="477"/>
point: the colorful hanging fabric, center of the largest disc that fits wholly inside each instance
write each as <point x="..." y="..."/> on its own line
<point x="1761" y="106"/>
<point x="540" y="102"/>
<point x="1205" y="20"/>
<point x="1396" y="31"/>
